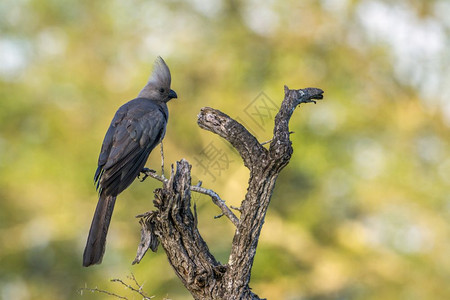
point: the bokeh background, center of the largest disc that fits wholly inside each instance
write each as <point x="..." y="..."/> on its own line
<point x="361" y="212"/>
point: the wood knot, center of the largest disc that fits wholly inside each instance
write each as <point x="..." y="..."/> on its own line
<point x="219" y="271"/>
<point x="200" y="280"/>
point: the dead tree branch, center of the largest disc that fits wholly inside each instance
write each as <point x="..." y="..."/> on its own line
<point x="137" y="289"/>
<point x="174" y="225"/>
<point x="199" y="189"/>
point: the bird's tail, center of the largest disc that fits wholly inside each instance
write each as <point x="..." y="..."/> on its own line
<point x="95" y="246"/>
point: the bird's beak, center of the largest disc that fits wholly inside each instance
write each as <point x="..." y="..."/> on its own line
<point x="172" y="94"/>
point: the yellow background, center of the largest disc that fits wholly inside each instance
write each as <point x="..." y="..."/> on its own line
<point x="361" y="211"/>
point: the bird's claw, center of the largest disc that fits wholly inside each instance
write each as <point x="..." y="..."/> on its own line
<point x="145" y="171"/>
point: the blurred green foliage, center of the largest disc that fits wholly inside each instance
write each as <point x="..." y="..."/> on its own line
<point x="362" y="210"/>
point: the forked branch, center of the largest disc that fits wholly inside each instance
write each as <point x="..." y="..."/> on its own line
<point x="174" y="225"/>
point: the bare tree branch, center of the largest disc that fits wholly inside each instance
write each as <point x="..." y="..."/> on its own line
<point x="130" y="287"/>
<point x="263" y="175"/>
<point x="197" y="188"/>
<point x="245" y="143"/>
<point x="176" y="227"/>
<point x="137" y="290"/>
<point x="97" y="290"/>
<point x="217" y="201"/>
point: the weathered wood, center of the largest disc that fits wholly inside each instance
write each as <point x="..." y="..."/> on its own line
<point x="176" y="227"/>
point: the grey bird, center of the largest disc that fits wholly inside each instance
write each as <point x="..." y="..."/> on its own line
<point x="136" y="129"/>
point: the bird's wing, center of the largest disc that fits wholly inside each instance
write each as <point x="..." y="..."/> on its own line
<point x="108" y="140"/>
<point x="126" y="147"/>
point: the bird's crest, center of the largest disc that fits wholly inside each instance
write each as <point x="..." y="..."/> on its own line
<point x="161" y="73"/>
<point x="158" y="85"/>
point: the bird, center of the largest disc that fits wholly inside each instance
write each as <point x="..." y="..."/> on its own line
<point x="136" y="129"/>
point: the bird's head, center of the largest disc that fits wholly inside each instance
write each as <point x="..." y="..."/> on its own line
<point x="158" y="86"/>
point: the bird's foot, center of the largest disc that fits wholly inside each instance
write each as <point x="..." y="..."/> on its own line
<point x="144" y="171"/>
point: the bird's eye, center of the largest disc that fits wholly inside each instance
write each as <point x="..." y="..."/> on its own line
<point x="161" y="90"/>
